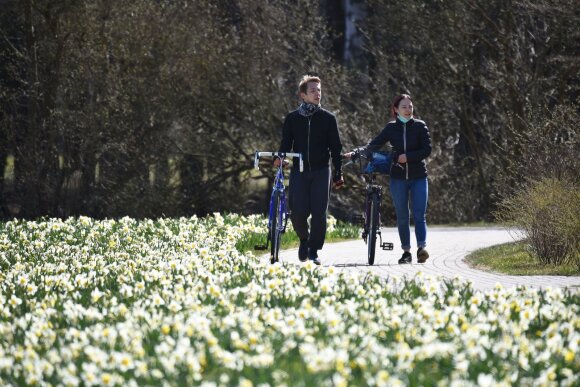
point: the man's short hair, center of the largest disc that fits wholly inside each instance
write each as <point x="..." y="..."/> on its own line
<point x="303" y="87"/>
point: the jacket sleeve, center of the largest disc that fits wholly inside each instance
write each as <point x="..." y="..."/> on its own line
<point x="335" y="147"/>
<point x="287" y="136"/>
<point x="425" y="148"/>
<point x="378" y="142"/>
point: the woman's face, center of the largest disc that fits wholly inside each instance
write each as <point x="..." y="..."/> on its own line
<point x="405" y="108"/>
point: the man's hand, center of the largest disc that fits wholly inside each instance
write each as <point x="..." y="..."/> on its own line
<point x="277" y="162"/>
<point x="337" y="182"/>
<point x="402" y="159"/>
<point x="348" y="155"/>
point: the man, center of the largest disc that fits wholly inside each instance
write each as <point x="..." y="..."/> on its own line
<point x="312" y="131"/>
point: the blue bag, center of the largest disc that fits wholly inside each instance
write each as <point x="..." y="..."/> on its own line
<point x="380" y="162"/>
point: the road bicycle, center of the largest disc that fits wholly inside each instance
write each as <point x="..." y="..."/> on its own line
<point x="376" y="163"/>
<point x="278" y="214"/>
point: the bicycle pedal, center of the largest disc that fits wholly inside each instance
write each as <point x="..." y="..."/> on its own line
<point x="260" y="247"/>
<point x="387" y="246"/>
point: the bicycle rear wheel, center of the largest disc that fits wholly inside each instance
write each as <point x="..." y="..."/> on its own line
<point x="373" y="228"/>
<point x="276" y="227"/>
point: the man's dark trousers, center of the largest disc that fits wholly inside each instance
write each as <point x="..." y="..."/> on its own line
<point x="309" y="195"/>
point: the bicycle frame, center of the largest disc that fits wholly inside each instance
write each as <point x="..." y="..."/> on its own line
<point x="278" y="206"/>
<point x="278" y="209"/>
<point x="371" y="218"/>
<point x="372" y="189"/>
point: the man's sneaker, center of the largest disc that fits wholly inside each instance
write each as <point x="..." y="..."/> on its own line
<point x="422" y="255"/>
<point x="313" y="256"/>
<point x="303" y="250"/>
<point x="406" y="258"/>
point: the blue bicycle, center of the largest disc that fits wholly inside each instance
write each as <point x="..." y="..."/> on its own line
<point x="278" y="215"/>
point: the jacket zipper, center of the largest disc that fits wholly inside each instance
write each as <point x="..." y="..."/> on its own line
<point x="405" y="150"/>
<point x="308" y="146"/>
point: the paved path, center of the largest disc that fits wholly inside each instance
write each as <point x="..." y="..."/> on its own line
<point x="448" y="246"/>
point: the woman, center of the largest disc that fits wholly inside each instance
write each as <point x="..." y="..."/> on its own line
<point x="411" y="144"/>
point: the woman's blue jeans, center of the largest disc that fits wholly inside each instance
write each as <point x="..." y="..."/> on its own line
<point x="418" y="191"/>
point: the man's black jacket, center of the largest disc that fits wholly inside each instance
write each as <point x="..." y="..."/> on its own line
<point x="316" y="137"/>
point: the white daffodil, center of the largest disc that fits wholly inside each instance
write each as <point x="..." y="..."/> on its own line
<point x="174" y="297"/>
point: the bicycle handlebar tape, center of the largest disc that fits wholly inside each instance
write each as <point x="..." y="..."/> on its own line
<point x="256" y="160"/>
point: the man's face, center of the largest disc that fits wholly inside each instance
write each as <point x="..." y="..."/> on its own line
<point x="313" y="93"/>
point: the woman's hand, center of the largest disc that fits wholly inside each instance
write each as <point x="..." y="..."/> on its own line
<point x="348" y="155"/>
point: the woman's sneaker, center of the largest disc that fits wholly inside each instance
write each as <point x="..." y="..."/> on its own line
<point x="406" y="258"/>
<point x="422" y="255"/>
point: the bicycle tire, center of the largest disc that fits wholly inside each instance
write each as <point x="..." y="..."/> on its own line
<point x="276" y="229"/>
<point x="373" y="228"/>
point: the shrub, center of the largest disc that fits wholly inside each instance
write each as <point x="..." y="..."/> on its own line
<point x="547" y="212"/>
<point x="548" y="148"/>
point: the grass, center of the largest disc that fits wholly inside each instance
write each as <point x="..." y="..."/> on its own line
<point x="341" y="231"/>
<point x="515" y="259"/>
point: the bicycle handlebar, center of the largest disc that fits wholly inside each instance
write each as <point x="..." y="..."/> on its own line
<point x="281" y="155"/>
<point x="357" y="153"/>
<point x="362" y="153"/>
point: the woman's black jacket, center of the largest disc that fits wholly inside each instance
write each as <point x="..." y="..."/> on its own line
<point x="411" y="139"/>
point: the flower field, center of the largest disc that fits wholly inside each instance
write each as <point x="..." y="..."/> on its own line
<point x="176" y="302"/>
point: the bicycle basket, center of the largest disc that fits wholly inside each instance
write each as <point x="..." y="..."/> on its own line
<point x="380" y="162"/>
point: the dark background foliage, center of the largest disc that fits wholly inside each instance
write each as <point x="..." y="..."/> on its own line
<point x="154" y="108"/>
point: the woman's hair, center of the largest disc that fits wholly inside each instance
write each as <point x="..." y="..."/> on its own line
<point x="397" y="101"/>
<point x="303" y="86"/>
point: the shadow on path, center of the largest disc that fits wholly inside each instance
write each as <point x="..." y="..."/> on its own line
<point x="358" y="265"/>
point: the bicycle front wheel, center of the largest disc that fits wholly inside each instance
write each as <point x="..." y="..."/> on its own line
<point x="276" y="227"/>
<point x="373" y="228"/>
